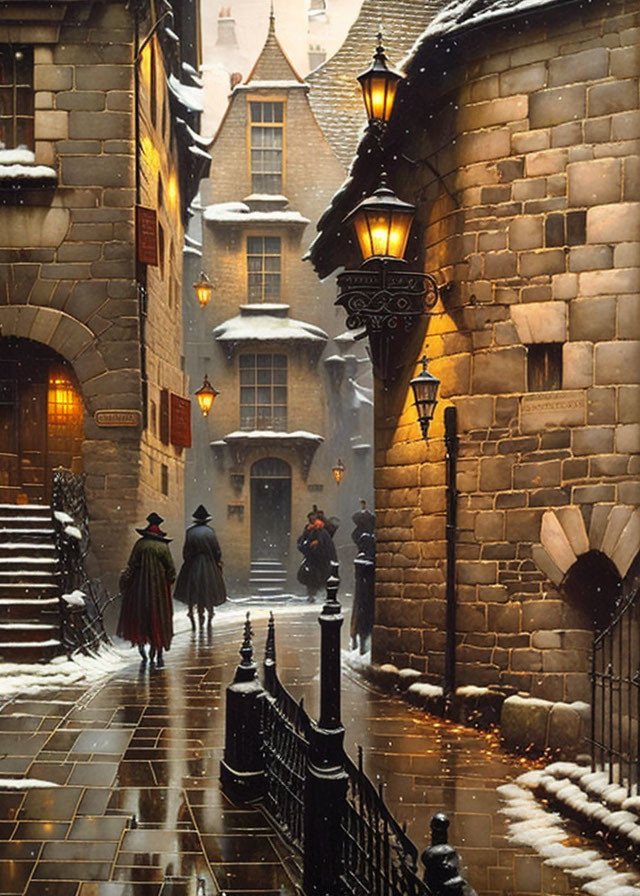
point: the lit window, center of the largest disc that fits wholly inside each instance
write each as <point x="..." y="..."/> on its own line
<point x="263" y="392"/>
<point x="263" y="268"/>
<point x="64" y="414"/>
<point x="16" y="96"/>
<point x="544" y="366"/>
<point x="267" y="125"/>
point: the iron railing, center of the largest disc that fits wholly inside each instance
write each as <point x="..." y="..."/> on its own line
<point x="82" y="626"/>
<point x="615" y="697"/>
<point x="321" y="802"/>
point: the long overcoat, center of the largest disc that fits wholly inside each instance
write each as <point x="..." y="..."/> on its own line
<point x="318" y="550"/>
<point x="146" y="614"/>
<point x="200" y="582"/>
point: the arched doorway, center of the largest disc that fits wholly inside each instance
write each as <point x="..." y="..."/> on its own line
<point x="270" y="509"/>
<point x="594" y="586"/>
<point x="41" y="414"/>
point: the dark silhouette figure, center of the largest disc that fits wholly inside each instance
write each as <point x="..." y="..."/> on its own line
<point x="318" y="550"/>
<point x="362" y="615"/>
<point x="200" y="582"/>
<point x="146" y="614"/>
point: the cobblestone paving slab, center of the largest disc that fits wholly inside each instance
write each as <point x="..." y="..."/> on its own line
<point x="128" y="802"/>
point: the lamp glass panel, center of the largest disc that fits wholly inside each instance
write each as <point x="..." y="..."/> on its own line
<point x="382" y="233"/>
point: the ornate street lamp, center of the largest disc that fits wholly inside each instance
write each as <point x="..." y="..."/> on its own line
<point x="382" y="223"/>
<point x="338" y="471"/>
<point x="425" y="392"/>
<point x="206" y="395"/>
<point x="203" y="288"/>
<point x="379" y="84"/>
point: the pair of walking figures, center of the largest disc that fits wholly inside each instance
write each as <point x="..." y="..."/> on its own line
<point x="146" y="613"/>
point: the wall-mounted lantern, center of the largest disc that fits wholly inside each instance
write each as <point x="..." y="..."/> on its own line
<point x="203" y="288"/>
<point x="379" y="84"/>
<point x="425" y="393"/>
<point x="206" y="395"/>
<point x="338" y="471"/>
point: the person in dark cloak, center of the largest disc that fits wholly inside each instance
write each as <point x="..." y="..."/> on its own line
<point x="362" y="614"/>
<point x="146" y="614"/>
<point x="317" y="547"/>
<point x="200" y="582"/>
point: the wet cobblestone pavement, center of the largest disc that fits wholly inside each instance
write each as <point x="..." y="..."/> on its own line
<point x="146" y="746"/>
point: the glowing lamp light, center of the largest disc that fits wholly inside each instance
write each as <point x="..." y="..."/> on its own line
<point x="425" y="391"/>
<point x="203" y="288"/>
<point x="382" y="223"/>
<point x="206" y="395"/>
<point x="338" y="471"/>
<point x="379" y="84"/>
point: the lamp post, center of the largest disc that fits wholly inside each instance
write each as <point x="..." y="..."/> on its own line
<point x="379" y="84"/>
<point x="205" y="396"/>
<point x="425" y="392"/>
<point x="204" y="289"/>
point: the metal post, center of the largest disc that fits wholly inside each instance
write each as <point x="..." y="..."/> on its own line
<point x="326" y="779"/>
<point x="442" y="863"/>
<point x="242" y="768"/>
<point x="451" y="443"/>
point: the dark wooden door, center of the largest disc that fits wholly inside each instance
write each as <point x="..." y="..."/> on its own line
<point x="270" y="509"/>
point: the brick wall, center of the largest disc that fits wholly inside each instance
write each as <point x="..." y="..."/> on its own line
<point x="533" y="229"/>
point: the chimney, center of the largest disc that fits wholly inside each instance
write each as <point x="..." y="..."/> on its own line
<point x="226" y="28"/>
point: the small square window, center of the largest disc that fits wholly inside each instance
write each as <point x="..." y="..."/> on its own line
<point x="544" y="366"/>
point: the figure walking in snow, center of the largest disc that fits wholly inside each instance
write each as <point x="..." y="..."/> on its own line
<point x="317" y="547"/>
<point x="200" y="582"/>
<point x="146" y="614"/>
<point x="362" y="614"/>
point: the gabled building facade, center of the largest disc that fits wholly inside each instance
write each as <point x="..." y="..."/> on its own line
<point x="98" y="163"/>
<point x="516" y="136"/>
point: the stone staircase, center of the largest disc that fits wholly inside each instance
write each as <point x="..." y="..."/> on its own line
<point x="268" y="579"/>
<point x="29" y="592"/>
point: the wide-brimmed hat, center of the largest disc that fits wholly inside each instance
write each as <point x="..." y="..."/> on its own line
<point x="201" y="514"/>
<point x="153" y="530"/>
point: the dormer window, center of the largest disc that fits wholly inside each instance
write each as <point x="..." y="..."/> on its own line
<point x="16" y="97"/>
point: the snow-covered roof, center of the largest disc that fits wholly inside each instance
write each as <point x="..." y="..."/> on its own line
<point x="27" y="172"/>
<point x="239" y="213"/>
<point x="348" y="336"/>
<point x="197" y="151"/>
<point x="271" y="85"/>
<point x="190" y="97"/>
<point x="299" y="435"/>
<point x="264" y="322"/>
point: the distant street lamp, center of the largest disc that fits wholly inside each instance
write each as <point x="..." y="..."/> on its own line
<point x="206" y="395"/>
<point x="338" y="471"/>
<point x="379" y="84"/>
<point x="203" y="288"/>
<point x="425" y="392"/>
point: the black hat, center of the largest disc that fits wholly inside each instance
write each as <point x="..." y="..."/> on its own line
<point x="153" y="530"/>
<point x="201" y="514"/>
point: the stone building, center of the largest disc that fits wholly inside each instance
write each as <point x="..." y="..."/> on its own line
<point x="99" y="159"/>
<point x="516" y="136"/>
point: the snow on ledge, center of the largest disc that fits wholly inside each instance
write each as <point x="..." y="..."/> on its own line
<point x="25" y="783"/>
<point x="271" y="85"/>
<point x="240" y="213"/>
<point x="27" y="172"/>
<point x="239" y="435"/>
<point x="75" y="598"/>
<point x="254" y="323"/>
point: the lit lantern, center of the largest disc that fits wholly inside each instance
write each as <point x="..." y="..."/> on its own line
<point x="206" y="395"/>
<point x="382" y="223"/>
<point x="379" y="84"/>
<point x="338" y="471"/>
<point x="203" y="288"/>
<point x="425" y="391"/>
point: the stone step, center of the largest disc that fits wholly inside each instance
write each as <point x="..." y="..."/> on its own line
<point x="37" y="535"/>
<point x="22" y="590"/>
<point x="28" y="632"/>
<point x="32" y="578"/>
<point x="17" y="548"/>
<point x="29" y="609"/>
<point x="30" y="651"/>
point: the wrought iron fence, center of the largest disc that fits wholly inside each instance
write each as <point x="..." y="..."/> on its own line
<point x="615" y="697"/>
<point x="320" y="800"/>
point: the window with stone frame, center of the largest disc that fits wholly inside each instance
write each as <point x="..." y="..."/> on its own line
<point x="16" y="97"/>
<point x="266" y="145"/>
<point x="263" y="391"/>
<point x="264" y="268"/>
<point x="544" y="366"/>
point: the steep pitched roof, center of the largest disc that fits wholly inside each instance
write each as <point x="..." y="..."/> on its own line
<point x="335" y="94"/>
<point x="272" y="64"/>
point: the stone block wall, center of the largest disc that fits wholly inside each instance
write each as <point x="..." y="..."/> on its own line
<point x="531" y="223"/>
<point x="68" y="260"/>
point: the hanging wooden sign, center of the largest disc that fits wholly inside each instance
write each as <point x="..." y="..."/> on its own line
<point x="146" y="235"/>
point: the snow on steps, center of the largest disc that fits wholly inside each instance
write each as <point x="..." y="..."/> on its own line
<point x="29" y="594"/>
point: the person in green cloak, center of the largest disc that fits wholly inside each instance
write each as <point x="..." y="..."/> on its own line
<point x="146" y="614"/>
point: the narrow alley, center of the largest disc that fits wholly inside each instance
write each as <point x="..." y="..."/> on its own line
<point x="124" y="798"/>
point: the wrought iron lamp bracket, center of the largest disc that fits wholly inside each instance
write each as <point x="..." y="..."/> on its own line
<point x="385" y="298"/>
